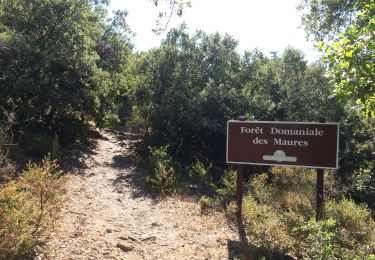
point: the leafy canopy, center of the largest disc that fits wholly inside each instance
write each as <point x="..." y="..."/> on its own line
<point x="345" y="34"/>
<point x="62" y="62"/>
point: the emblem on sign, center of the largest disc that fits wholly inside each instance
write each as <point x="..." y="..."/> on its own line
<point x="279" y="156"/>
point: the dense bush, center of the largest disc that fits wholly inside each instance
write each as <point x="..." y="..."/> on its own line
<point x="38" y="144"/>
<point x="221" y="194"/>
<point x="6" y="139"/>
<point x="62" y="64"/>
<point x="163" y="173"/>
<point x="279" y="215"/>
<point x="199" y="174"/>
<point x="265" y="226"/>
<point x="355" y="222"/>
<point x="187" y="89"/>
<point x="187" y="92"/>
<point x="356" y="170"/>
<point x="28" y="206"/>
<point x="227" y="186"/>
<point x="315" y="239"/>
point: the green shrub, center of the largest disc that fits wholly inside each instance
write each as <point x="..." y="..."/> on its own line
<point x="199" y="173"/>
<point x="356" y="226"/>
<point x="39" y="144"/>
<point x="316" y="239"/>
<point x="207" y="204"/>
<point x="279" y="216"/>
<point x="56" y="148"/>
<point x="164" y="176"/>
<point x="72" y="128"/>
<point x="229" y="185"/>
<point x="297" y="183"/>
<point x="259" y="188"/>
<point x="28" y="206"/>
<point x="136" y="123"/>
<point x="7" y="170"/>
<point x="265" y="226"/>
<point x="294" y="218"/>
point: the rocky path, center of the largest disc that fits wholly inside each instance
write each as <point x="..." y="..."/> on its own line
<point x="111" y="216"/>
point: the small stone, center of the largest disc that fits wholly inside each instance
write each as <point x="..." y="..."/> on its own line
<point x="108" y="230"/>
<point x="132" y="238"/>
<point x="146" y="238"/>
<point x="75" y="234"/>
<point x="124" y="247"/>
<point x="129" y="238"/>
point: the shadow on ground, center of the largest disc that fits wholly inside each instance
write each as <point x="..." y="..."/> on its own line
<point x="245" y="250"/>
<point x="75" y="159"/>
<point x="131" y="175"/>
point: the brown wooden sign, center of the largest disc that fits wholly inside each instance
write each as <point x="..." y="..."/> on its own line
<point x="312" y="145"/>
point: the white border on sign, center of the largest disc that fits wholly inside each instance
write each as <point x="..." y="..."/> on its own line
<point x="286" y="122"/>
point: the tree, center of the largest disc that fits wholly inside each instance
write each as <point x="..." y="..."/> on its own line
<point x="286" y="88"/>
<point x="190" y="86"/>
<point x="351" y="58"/>
<point x="345" y="30"/>
<point x="325" y="19"/>
<point x="165" y="16"/>
<point x="61" y="63"/>
<point x="189" y="89"/>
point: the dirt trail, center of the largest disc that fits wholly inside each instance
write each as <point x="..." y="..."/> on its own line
<point x="111" y="216"/>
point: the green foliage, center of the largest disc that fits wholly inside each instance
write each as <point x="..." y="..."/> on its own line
<point x="294" y="189"/>
<point x="228" y="186"/>
<point x="259" y="188"/>
<point x="357" y="157"/>
<point x="174" y="7"/>
<point x="264" y="225"/>
<point x="344" y="34"/>
<point x="279" y="215"/>
<point x="164" y="176"/>
<point x="351" y="60"/>
<point x="190" y="86"/>
<point x="56" y="149"/>
<point x="324" y="19"/>
<point x="187" y="92"/>
<point x="61" y="62"/>
<point x="286" y="88"/>
<point x="28" y="206"/>
<point x="349" y="52"/>
<point x="6" y="138"/>
<point x="38" y="144"/>
<point x="356" y="224"/>
<point x="316" y="239"/>
<point x="207" y="204"/>
<point x="199" y="174"/>
<point x="221" y="194"/>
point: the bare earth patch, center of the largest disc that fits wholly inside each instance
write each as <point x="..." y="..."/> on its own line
<point x="111" y="216"/>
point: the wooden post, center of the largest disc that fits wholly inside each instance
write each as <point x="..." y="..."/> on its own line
<point x="239" y="191"/>
<point x="319" y="189"/>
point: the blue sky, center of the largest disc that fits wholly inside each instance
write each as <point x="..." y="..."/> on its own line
<point x="270" y="25"/>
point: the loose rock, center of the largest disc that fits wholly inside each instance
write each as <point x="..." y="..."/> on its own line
<point x="124" y="247"/>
